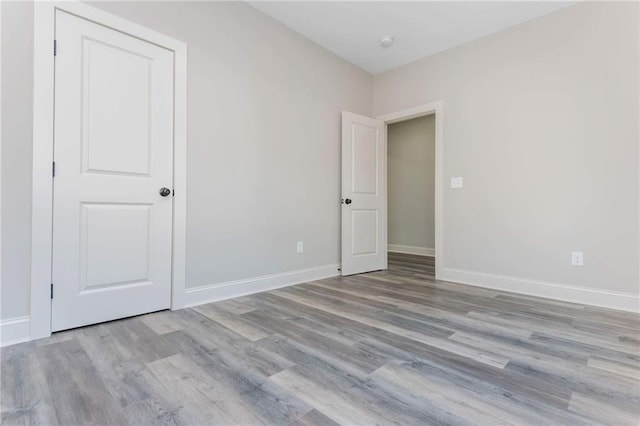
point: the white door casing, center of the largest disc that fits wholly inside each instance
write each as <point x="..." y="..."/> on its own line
<point x="437" y="109"/>
<point x="364" y="194"/>
<point x="113" y="151"/>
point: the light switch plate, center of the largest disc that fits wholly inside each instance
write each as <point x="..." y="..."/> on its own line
<point x="456" y="182"/>
<point x="300" y="247"/>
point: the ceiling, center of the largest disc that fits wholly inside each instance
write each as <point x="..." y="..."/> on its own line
<point x="353" y="30"/>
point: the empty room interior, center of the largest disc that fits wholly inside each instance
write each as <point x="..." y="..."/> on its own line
<point x="320" y="213"/>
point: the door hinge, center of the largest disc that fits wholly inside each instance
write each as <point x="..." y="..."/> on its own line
<point x="52" y="290"/>
<point x="53" y="169"/>
<point x="55" y="47"/>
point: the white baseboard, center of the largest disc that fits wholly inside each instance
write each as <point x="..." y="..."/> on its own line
<point x="420" y="251"/>
<point x="17" y="330"/>
<point x="216" y="292"/>
<point x="568" y="293"/>
<point x="14" y="330"/>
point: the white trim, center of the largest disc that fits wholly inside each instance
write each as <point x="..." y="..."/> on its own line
<point x="420" y="251"/>
<point x="0" y="161"/>
<point x="42" y="196"/>
<point x="42" y="190"/>
<point x="227" y="290"/>
<point x="179" y="278"/>
<point x="14" y="330"/>
<point x="436" y="108"/>
<point x="569" y="293"/>
<point x="409" y="113"/>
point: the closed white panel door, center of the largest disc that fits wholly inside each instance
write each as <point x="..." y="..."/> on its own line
<point x="113" y="153"/>
<point x="364" y="197"/>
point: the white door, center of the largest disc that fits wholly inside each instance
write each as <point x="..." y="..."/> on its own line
<point x="113" y="152"/>
<point x="364" y="194"/>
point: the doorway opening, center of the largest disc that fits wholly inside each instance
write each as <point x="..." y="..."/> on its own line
<point x="434" y="111"/>
<point x="411" y="159"/>
<point x="364" y="190"/>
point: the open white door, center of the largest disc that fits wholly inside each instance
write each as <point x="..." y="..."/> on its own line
<point x="112" y="222"/>
<point x="364" y="194"/>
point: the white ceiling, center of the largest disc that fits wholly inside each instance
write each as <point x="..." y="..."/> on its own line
<point x="353" y="29"/>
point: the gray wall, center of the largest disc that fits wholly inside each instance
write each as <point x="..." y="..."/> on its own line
<point x="17" y="94"/>
<point x="410" y="179"/>
<point x="541" y="121"/>
<point x="263" y="141"/>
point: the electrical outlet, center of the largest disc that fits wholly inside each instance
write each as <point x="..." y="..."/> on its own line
<point x="456" y="182"/>
<point x="577" y="258"/>
<point x="300" y="247"/>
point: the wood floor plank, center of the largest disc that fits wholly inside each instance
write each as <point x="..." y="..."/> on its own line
<point x="136" y="337"/>
<point x="232" y="321"/>
<point x="203" y="400"/>
<point x="470" y="373"/>
<point x="618" y="391"/>
<point x="555" y="329"/>
<point x="310" y="319"/>
<point x="445" y="394"/>
<point x="324" y="400"/>
<point x="194" y="344"/>
<point x="245" y="387"/>
<point x="575" y="346"/>
<point x="161" y="322"/>
<point x="598" y="410"/>
<point x="330" y="349"/>
<point x="239" y="305"/>
<point x="513" y="403"/>
<point x="516" y="347"/>
<point x="26" y="397"/>
<point x="621" y="368"/>
<point x="78" y="394"/>
<point x="395" y="324"/>
<point x="314" y="418"/>
<point x="432" y="315"/>
<point x="347" y="400"/>
<point x="143" y="398"/>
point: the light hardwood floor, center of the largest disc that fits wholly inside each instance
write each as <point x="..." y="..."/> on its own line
<point x="390" y="347"/>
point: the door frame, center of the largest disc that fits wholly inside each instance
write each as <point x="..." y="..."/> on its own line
<point x="435" y="108"/>
<point x="43" y="126"/>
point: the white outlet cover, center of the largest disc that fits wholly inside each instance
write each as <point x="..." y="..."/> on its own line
<point x="300" y="247"/>
<point x="456" y="182"/>
<point x="577" y="258"/>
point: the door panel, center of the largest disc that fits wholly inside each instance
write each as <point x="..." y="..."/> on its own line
<point x="117" y="104"/>
<point x="113" y="149"/>
<point x="364" y="226"/>
<point x="365" y="160"/>
<point x="364" y="208"/>
<point x="101" y="247"/>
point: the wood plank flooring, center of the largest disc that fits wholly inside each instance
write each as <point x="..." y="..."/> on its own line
<point x="389" y="347"/>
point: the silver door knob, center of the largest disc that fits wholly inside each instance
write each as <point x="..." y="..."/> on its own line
<point x="165" y="192"/>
